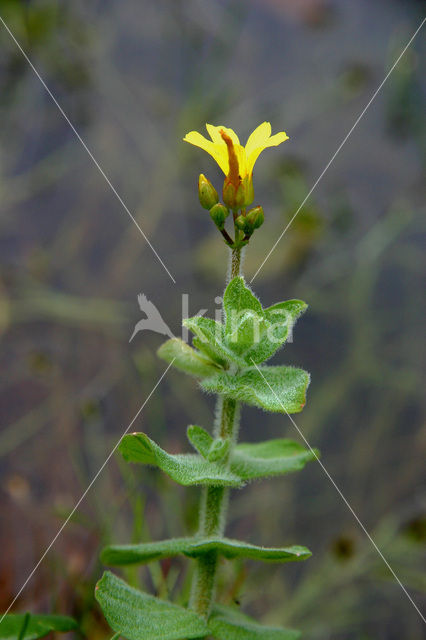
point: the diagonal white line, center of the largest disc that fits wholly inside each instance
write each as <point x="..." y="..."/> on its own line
<point x="92" y="157"/>
<point x="92" y="482"/>
<point x="343" y="498"/>
<point x="327" y="166"/>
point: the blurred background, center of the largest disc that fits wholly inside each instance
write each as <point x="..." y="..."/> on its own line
<point x="134" y="77"/>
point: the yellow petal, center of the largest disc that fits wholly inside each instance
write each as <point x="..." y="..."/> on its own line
<point x="217" y="138"/>
<point x="242" y="160"/>
<point x="258" y="137"/>
<point x="195" y="138"/>
<point x="218" y="152"/>
<point x="273" y="141"/>
<point x="214" y="133"/>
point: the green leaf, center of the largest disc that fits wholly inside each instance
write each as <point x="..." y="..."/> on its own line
<point x="248" y="330"/>
<point x="139" y="616"/>
<point x="186" y="358"/>
<point x="201" y="440"/>
<point x="277" y="389"/>
<point x="185" y="469"/>
<point x="237" y="299"/>
<point x="290" y="310"/>
<point x="38" y="625"/>
<point x="248" y="461"/>
<point x="195" y="547"/>
<point x="251" y="334"/>
<point x="210" y="338"/>
<point x="219" y="450"/>
<point x="281" y="318"/>
<point x="226" y="623"/>
<point x="271" y="458"/>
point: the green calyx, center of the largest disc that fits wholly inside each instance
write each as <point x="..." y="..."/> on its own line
<point x="236" y="199"/>
<point x="218" y="214"/>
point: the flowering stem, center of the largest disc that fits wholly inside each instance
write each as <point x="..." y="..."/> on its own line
<point x="214" y="500"/>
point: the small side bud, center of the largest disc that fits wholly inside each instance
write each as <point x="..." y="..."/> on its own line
<point x="218" y="214"/>
<point x="243" y="224"/>
<point x="255" y="217"/>
<point x="207" y="193"/>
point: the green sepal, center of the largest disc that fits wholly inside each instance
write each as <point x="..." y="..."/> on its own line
<point x="201" y="440"/>
<point x="276" y="389"/>
<point x="186" y="358"/>
<point x="227" y="623"/>
<point x="252" y="461"/>
<point x="194" y="547"/>
<point x="139" y="616"/>
<point x="185" y="469"/>
<point x="37" y="625"/>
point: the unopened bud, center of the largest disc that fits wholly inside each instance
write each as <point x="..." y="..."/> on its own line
<point x="233" y="197"/>
<point x="207" y="193"/>
<point x="255" y="217"/>
<point x="218" y="214"/>
<point x="243" y="224"/>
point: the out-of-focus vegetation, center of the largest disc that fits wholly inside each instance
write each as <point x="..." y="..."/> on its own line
<point x="133" y="77"/>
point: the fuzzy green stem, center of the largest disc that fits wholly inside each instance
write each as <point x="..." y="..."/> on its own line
<point x="235" y="262"/>
<point x="215" y="500"/>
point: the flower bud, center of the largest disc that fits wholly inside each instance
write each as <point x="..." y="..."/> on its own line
<point x="218" y="214"/>
<point x="255" y="217"/>
<point x="207" y="193"/>
<point x="243" y="224"/>
<point x="233" y="196"/>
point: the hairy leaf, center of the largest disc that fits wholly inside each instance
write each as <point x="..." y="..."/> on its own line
<point x="237" y="299"/>
<point x="277" y="389"/>
<point x="186" y="358"/>
<point x="37" y="626"/>
<point x="201" y="440"/>
<point x="250" y="334"/>
<point x="271" y="458"/>
<point x="195" y="547"/>
<point x="230" y="624"/>
<point x="281" y="318"/>
<point x="185" y="469"/>
<point x="246" y="331"/>
<point x="210" y="338"/>
<point x="139" y="616"/>
<point x="219" y="450"/>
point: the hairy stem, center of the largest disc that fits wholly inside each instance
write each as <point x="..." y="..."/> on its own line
<point x="214" y="500"/>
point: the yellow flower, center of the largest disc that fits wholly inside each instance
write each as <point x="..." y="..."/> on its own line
<point x="236" y="161"/>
